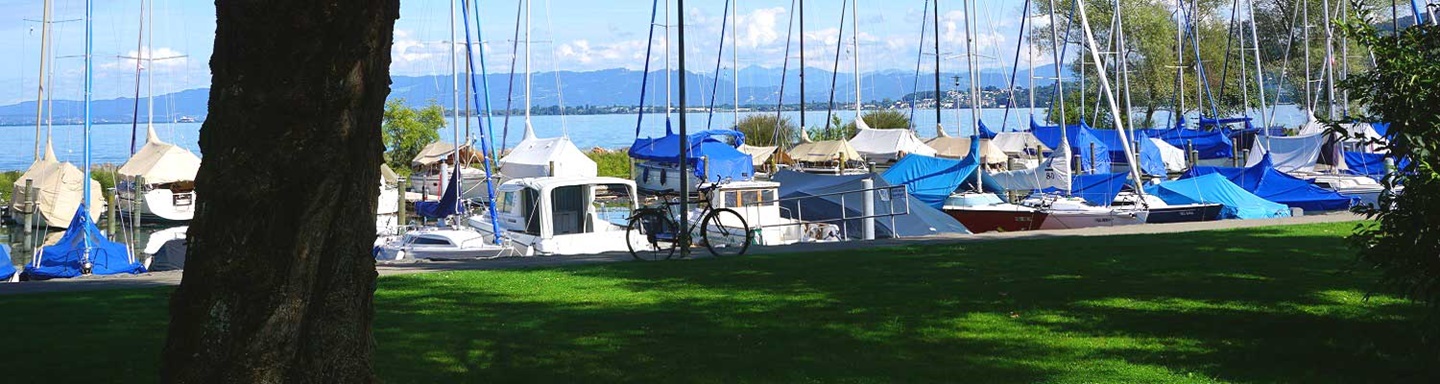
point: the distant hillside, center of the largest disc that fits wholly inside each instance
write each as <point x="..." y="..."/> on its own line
<point x="611" y="87"/>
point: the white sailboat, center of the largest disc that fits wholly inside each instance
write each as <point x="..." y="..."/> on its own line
<point x="543" y="157"/>
<point x="158" y="181"/>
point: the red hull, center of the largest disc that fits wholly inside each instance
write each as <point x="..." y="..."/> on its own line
<point x="980" y="221"/>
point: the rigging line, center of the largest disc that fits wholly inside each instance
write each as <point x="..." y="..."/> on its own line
<point x="1229" y="42"/>
<point x="489" y="127"/>
<point x="1194" y="32"/>
<point x="784" y="71"/>
<point x="139" y="53"/>
<point x="555" y="67"/>
<point x="715" y="85"/>
<point x="919" y="58"/>
<point x="510" y="92"/>
<point x="1015" y="69"/>
<point x="834" y="71"/>
<point x="645" y="75"/>
<point x="484" y="142"/>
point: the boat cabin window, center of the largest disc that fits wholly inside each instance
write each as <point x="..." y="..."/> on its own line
<point x="749" y="197"/>
<point x="427" y="240"/>
<point x="612" y="203"/>
<point x="530" y="210"/>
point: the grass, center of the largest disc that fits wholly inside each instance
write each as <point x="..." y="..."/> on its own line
<point x="1281" y="304"/>
<point x="611" y="163"/>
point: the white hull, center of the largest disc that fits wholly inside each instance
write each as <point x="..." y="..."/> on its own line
<point x="439" y="244"/>
<point x="657" y="177"/>
<point x="1071" y="219"/>
<point x="158" y="205"/>
<point x="472" y="183"/>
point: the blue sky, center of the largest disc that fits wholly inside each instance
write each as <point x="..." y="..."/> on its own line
<point x="573" y="35"/>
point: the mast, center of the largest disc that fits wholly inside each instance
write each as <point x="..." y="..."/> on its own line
<point x="1123" y="62"/>
<point x="484" y="138"/>
<point x="939" y="128"/>
<point x="972" y="61"/>
<point x="1059" y="89"/>
<point x="735" y="58"/>
<point x="1309" y="104"/>
<point x="1329" y="64"/>
<point x="150" y="72"/>
<point x="684" y="138"/>
<point x="529" y="130"/>
<point x="855" y="55"/>
<point x="1259" y="72"/>
<point x="89" y="90"/>
<point x="40" y="84"/>
<point x="667" y="67"/>
<point x="1110" y="99"/>
<point x="454" y="87"/>
<point x="1030" y="57"/>
<point x="1180" y="61"/>
<point x="802" y="66"/>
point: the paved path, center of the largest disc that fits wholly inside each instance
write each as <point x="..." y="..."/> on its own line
<point x="171" y="278"/>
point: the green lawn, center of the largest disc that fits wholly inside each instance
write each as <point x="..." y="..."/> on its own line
<point x="1283" y="304"/>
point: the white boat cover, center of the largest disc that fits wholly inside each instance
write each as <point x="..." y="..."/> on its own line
<point x="1372" y="137"/>
<point x="824" y="151"/>
<point x="535" y="157"/>
<point x="1174" y="158"/>
<point x="1015" y="144"/>
<point x="1054" y="172"/>
<point x="959" y="147"/>
<point x="160" y="162"/>
<point x="60" y="190"/>
<point x="758" y="155"/>
<point x="1288" y="154"/>
<point x="886" y="145"/>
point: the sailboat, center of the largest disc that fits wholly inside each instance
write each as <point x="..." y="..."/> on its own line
<point x="543" y="157"/>
<point x="880" y="146"/>
<point x="84" y="249"/>
<point x="55" y="187"/>
<point x="158" y="181"/>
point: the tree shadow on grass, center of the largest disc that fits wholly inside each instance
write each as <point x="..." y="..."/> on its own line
<point x="1253" y="305"/>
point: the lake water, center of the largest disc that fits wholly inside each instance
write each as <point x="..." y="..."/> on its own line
<point x="112" y="142"/>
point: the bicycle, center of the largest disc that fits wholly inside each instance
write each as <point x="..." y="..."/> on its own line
<point x="653" y="232"/>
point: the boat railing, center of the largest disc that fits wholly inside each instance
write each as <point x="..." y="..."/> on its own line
<point x="858" y="204"/>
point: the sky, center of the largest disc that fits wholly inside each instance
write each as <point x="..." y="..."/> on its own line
<point x="569" y="35"/>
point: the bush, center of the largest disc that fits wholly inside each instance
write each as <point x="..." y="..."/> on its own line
<point x="7" y="183"/>
<point x="407" y="130"/>
<point x="760" y="130"/>
<point x="1403" y="240"/>
<point x="834" y="131"/>
<point x="611" y="163"/>
<point x="882" y="119"/>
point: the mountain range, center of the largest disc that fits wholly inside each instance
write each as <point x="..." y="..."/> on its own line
<point x="610" y="87"/>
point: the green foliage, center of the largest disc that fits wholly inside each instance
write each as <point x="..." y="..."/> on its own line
<point x="1276" y="304"/>
<point x="408" y="130"/>
<point x="7" y="183"/>
<point x="834" y="131"/>
<point x="1404" y="90"/>
<point x="881" y="119"/>
<point x="611" y="163"/>
<point x="761" y="130"/>
<point x="105" y="174"/>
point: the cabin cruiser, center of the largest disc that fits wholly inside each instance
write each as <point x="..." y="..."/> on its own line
<point x="986" y="212"/>
<point x="441" y="243"/>
<point x="714" y="156"/>
<point x="561" y="215"/>
<point x="757" y="204"/>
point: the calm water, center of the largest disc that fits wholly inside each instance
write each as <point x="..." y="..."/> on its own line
<point x="21" y="247"/>
<point x="112" y="142"/>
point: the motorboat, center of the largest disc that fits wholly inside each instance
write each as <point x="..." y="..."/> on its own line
<point x="561" y="215"/>
<point x="1161" y="212"/>
<point x="986" y="212"/>
<point x="757" y="204"/>
<point x="441" y="243"/>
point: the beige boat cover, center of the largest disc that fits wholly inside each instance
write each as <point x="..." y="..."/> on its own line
<point x="758" y="155"/>
<point x="1015" y="144"/>
<point x="388" y="176"/>
<point x="60" y="189"/>
<point x="160" y="162"/>
<point x="823" y="151"/>
<point x="441" y="151"/>
<point x="959" y="147"/>
<point x="884" y="145"/>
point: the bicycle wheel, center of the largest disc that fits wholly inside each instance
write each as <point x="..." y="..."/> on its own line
<point x="651" y="235"/>
<point x="725" y="233"/>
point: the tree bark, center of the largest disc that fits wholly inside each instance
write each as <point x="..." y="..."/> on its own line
<point x="279" y="281"/>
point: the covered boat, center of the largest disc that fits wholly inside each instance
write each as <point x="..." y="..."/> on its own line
<point x="1214" y="188"/>
<point x="547" y="157"/>
<point x="992" y="156"/>
<point x="562" y="215"/>
<point x="714" y="156"/>
<point x="1094" y="156"/>
<point x="168" y="176"/>
<point x="70" y="257"/>
<point x="829" y="157"/>
<point x="59" y="188"/>
<point x="1263" y="180"/>
<point x="833" y="198"/>
<point x="884" y="146"/>
<point x="431" y="171"/>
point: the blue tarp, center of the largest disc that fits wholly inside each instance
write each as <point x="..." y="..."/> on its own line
<point x="714" y="158"/>
<point x="1381" y="128"/>
<point x="6" y="268"/>
<point x="985" y="131"/>
<point x="1366" y="164"/>
<point x="1264" y="181"/>
<point x="932" y="179"/>
<point x="66" y="257"/>
<point x="1214" y="188"/>
<point x="449" y="203"/>
<point x="1208" y="144"/>
<point x="1151" y="162"/>
<point x="1094" y="155"/>
<point x="801" y="190"/>
<point x="1098" y="189"/>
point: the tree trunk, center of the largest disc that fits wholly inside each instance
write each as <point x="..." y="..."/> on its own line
<point x="280" y="282"/>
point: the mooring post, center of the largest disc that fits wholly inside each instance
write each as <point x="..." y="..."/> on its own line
<point x="869" y="223"/>
<point x="400" y="216"/>
<point x="137" y="200"/>
<point x="29" y="205"/>
<point x="110" y="208"/>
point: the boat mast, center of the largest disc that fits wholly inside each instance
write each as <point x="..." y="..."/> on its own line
<point x="1059" y="89"/>
<point x="802" y="66"/>
<point x="1110" y="98"/>
<point x="1309" y="104"/>
<point x="40" y="84"/>
<point x="454" y="89"/>
<point x="89" y="89"/>
<point x="1030" y="58"/>
<point x="529" y="129"/>
<point x="1259" y="72"/>
<point x="484" y="137"/>
<point x="668" y="83"/>
<point x="1180" y="62"/>
<point x="1329" y="63"/>
<point x="972" y="61"/>
<point x="735" y="59"/>
<point x="855" y="56"/>
<point x="939" y="128"/>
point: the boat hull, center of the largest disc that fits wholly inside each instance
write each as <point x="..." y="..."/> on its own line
<point x="981" y="221"/>
<point x="1184" y="214"/>
<point x="1073" y="220"/>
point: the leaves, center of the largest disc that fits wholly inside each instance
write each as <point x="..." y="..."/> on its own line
<point x="408" y="130"/>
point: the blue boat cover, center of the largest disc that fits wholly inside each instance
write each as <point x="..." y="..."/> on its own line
<point x="1214" y="188"/>
<point x="932" y="179"/>
<point x="1366" y="164"/>
<point x="66" y="257"/>
<point x="6" y="268"/>
<point x="985" y="131"/>
<point x="449" y="203"/>
<point x="715" y="158"/>
<point x="1151" y="162"/>
<point x="803" y="200"/>
<point x="1222" y="123"/>
<point x="1098" y="189"/>
<point x="1263" y="180"/>
<point x="1381" y="128"/>
<point x="1096" y="160"/>
<point x="1208" y="144"/>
